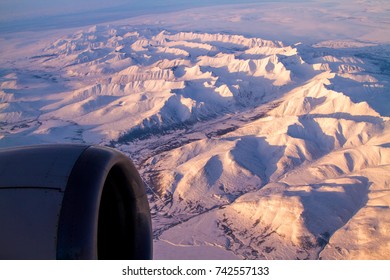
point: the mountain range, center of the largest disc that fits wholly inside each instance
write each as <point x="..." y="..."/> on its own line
<point x="249" y="148"/>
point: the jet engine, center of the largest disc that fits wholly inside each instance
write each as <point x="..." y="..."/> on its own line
<point x="72" y="202"/>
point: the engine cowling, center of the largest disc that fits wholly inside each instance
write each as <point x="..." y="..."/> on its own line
<point x="72" y="202"/>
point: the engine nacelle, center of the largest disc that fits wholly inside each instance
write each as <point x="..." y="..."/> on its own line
<point x="72" y="202"/>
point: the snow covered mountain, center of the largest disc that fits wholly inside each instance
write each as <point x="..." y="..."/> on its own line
<point x="250" y="148"/>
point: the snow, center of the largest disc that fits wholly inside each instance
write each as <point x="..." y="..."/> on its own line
<point x="168" y="251"/>
<point x="253" y="142"/>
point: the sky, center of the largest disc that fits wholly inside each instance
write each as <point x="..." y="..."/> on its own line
<point x="291" y="21"/>
<point x="36" y="15"/>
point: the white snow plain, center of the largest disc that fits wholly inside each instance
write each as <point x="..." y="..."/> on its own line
<point x="261" y="130"/>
